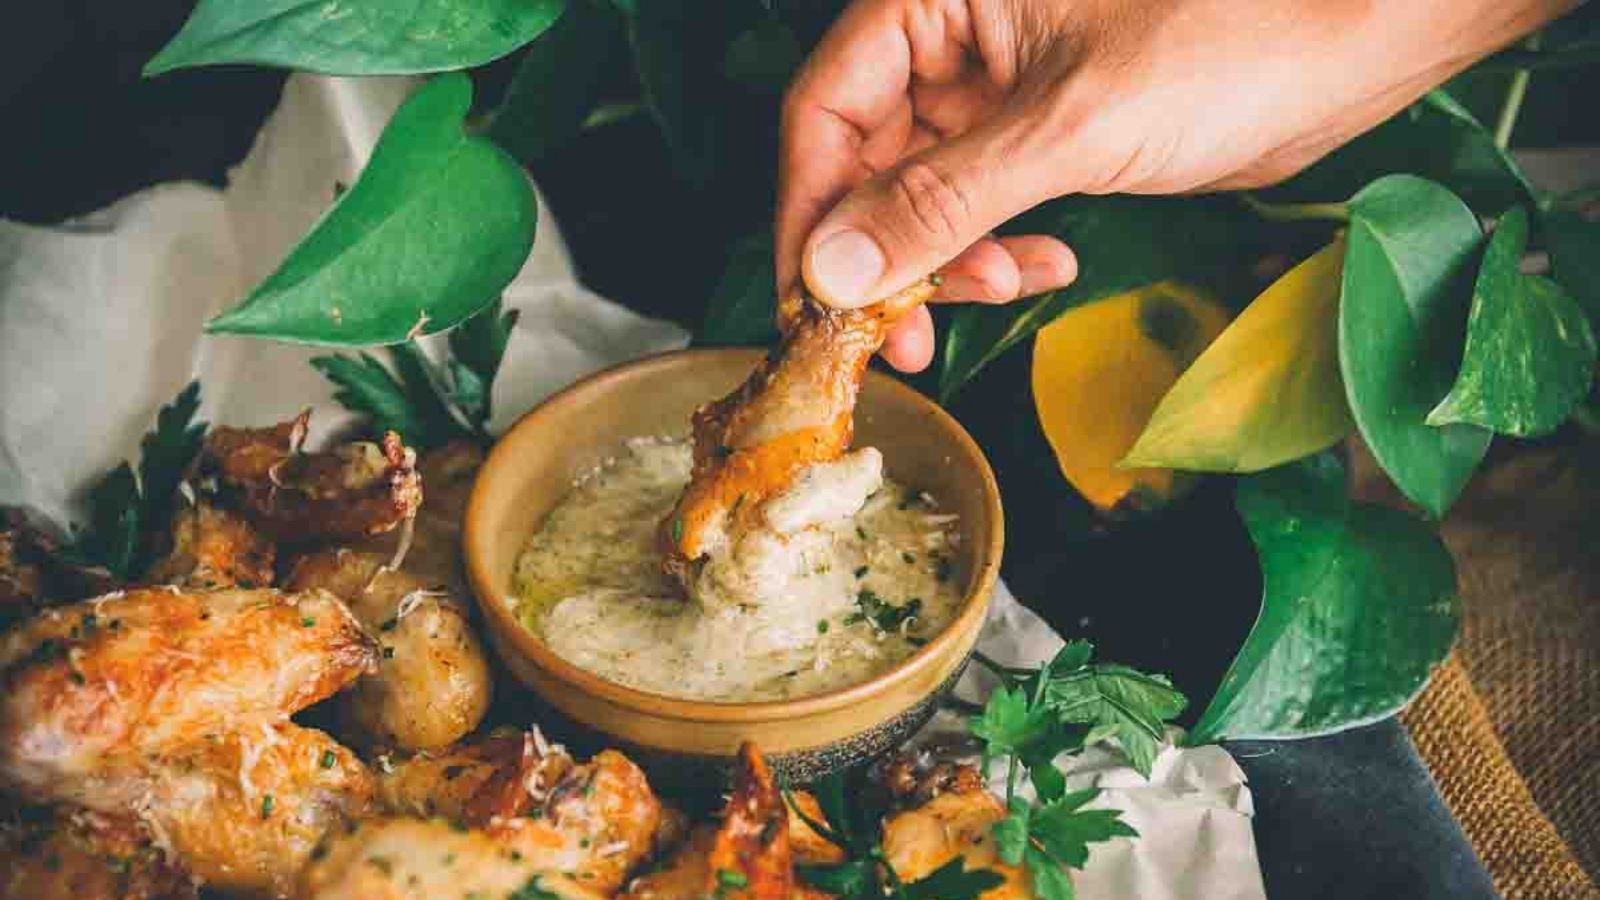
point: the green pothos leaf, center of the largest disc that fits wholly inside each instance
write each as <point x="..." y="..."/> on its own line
<point x="1122" y="242"/>
<point x="557" y="80"/>
<point x="1358" y="606"/>
<point x="743" y="307"/>
<point x="1402" y="311"/>
<point x="1435" y="138"/>
<point x="354" y="37"/>
<point x="1574" y="242"/>
<point x="1530" y="354"/>
<point x="438" y="223"/>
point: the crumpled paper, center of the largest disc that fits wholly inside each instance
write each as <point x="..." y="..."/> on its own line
<point x="100" y="324"/>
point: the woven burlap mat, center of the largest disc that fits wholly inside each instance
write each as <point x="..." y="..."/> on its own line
<point x="1510" y="726"/>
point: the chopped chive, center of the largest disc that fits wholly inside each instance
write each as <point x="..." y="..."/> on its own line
<point x="267" y="805"/>
<point x="329" y="759"/>
<point x="862" y="572"/>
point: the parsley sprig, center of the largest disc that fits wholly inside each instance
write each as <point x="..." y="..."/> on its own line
<point x="128" y="502"/>
<point x="866" y="874"/>
<point x="429" y="404"/>
<point x="1062" y="706"/>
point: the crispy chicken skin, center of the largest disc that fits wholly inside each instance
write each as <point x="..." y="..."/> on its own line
<point x="422" y="859"/>
<point x="796" y="409"/>
<point x="750" y="854"/>
<point x="433" y="683"/>
<point x="211" y="547"/>
<point x="22" y="573"/>
<point x="35" y="574"/>
<point x="75" y="854"/>
<point x="597" y="820"/>
<point x="753" y="841"/>
<point x="349" y="492"/>
<point x="435" y="551"/>
<point x="244" y="809"/>
<point x="956" y="820"/>
<point x="499" y="776"/>
<point x="91" y="688"/>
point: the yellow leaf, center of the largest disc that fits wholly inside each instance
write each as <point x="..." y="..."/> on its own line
<point x="1098" y="372"/>
<point x="1267" y="391"/>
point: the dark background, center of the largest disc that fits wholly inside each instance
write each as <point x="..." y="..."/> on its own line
<point x="1353" y="815"/>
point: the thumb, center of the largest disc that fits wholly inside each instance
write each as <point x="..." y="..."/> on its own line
<point x="911" y="219"/>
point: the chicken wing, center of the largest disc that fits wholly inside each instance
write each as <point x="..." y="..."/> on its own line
<point x="349" y="492"/>
<point x="796" y="409"/>
<point x="750" y="855"/>
<point x="433" y="684"/>
<point x="435" y="551"/>
<point x="211" y="547"/>
<point x="596" y="820"/>
<point x="35" y="573"/>
<point x="75" y="854"/>
<point x="417" y="859"/>
<point x="91" y="688"/>
<point x="244" y="809"/>
<point x="956" y="819"/>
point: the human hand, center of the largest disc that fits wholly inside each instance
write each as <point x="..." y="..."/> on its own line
<point x="918" y="126"/>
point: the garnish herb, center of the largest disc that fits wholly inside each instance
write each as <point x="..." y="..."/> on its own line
<point x="866" y="874"/>
<point x="533" y="889"/>
<point x="125" y="503"/>
<point x="1062" y="706"/>
<point x="428" y="403"/>
<point x="883" y="615"/>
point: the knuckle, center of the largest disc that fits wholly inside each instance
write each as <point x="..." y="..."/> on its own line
<point x="933" y="201"/>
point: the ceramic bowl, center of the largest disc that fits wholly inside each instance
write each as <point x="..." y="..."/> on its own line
<point x="534" y="465"/>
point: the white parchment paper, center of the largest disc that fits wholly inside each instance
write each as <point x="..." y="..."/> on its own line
<point x="100" y="324"/>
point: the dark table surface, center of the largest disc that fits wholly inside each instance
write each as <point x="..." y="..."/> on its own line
<point x="1350" y="816"/>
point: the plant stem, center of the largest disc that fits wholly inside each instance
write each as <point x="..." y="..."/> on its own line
<point x="1011" y="779"/>
<point x="1004" y="673"/>
<point x="1297" y="212"/>
<point x="1515" y="92"/>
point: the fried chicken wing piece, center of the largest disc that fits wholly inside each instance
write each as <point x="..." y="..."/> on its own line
<point x="749" y="855"/>
<point x="753" y="841"/>
<point x="92" y="688"/>
<point x="349" y="492"/>
<point x="597" y="820"/>
<point x="35" y="573"/>
<point x="244" y="809"/>
<point x="75" y="854"/>
<point x="795" y="410"/>
<point x="503" y="775"/>
<point x="210" y="548"/>
<point x="402" y="858"/>
<point x="956" y="819"/>
<point x="433" y="683"/>
<point x="22" y="572"/>
<point x="435" y="551"/>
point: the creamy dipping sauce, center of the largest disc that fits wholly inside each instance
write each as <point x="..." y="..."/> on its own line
<point x="851" y="575"/>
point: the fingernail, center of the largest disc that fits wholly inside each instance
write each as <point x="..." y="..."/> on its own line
<point x="1042" y="277"/>
<point x="962" y="288"/>
<point x="844" y="267"/>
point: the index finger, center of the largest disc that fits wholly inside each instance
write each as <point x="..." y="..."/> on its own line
<point x="853" y="85"/>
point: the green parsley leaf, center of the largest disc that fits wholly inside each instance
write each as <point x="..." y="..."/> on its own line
<point x="362" y="385"/>
<point x="1011" y="833"/>
<point x="1007" y="724"/>
<point x="123" y="504"/>
<point x="166" y="452"/>
<point x="478" y="346"/>
<point x="533" y="889"/>
<point x="732" y="878"/>
<point x="1114" y="700"/>
<point x="1050" y="880"/>
<point x="1063" y="829"/>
